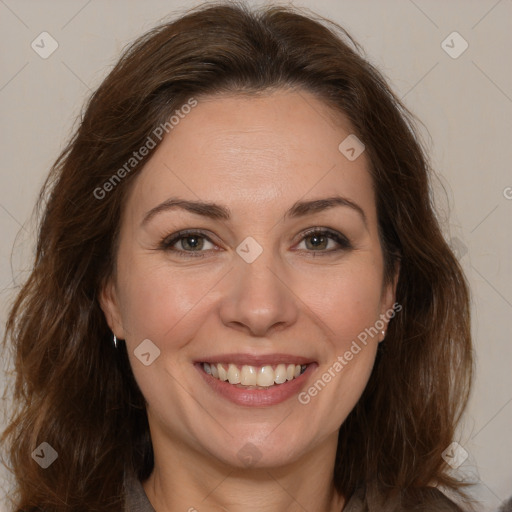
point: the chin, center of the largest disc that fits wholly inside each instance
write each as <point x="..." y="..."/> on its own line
<point x="262" y="451"/>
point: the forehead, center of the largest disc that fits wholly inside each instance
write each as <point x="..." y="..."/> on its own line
<point x="259" y="151"/>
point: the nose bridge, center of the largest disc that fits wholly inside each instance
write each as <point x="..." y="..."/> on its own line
<point x="257" y="296"/>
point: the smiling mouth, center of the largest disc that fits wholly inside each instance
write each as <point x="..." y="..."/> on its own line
<point x="254" y="377"/>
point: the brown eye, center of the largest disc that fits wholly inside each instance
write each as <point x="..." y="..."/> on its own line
<point x="325" y="241"/>
<point x="193" y="242"/>
<point x="187" y="242"/>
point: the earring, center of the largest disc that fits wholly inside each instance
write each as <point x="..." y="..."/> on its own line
<point x="383" y="335"/>
<point x="115" y="341"/>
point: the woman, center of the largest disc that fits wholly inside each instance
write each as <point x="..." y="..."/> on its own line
<point x="241" y="297"/>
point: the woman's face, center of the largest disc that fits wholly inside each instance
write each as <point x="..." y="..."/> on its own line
<point x="281" y="272"/>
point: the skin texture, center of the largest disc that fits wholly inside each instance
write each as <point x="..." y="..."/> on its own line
<point x="257" y="156"/>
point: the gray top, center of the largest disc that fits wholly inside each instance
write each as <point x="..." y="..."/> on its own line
<point x="137" y="501"/>
<point x="135" y="496"/>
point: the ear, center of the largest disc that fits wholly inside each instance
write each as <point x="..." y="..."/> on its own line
<point x="388" y="298"/>
<point x="109" y="302"/>
<point x="389" y="289"/>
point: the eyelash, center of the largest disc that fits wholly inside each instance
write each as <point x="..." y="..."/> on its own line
<point x="167" y="243"/>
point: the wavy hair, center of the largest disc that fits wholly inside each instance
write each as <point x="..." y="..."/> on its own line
<point x="73" y="390"/>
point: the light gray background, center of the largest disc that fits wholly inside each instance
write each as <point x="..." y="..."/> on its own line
<point x="465" y="103"/>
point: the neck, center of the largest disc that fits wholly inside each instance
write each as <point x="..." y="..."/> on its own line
<point x="197" y="482"/>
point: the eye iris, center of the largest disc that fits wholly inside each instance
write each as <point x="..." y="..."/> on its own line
<point x="318" y="241"/>
<point x="197" y="242"/>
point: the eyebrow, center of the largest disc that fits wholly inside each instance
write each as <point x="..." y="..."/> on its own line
<point x="218" y="212"/>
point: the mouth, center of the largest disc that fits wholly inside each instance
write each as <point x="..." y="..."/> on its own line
<point x="256" y="380"/>
<point x="254" y="377"/>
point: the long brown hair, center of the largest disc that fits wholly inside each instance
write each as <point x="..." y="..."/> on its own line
<point x="74" y="391"/>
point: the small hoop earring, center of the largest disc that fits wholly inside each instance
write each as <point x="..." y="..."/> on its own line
<point x="115" y="341"/>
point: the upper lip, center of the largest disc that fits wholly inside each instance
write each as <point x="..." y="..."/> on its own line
<point x="256" y="360"/>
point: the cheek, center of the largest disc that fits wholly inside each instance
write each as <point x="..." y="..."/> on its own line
<point x="157" y="300"/>
<point x="347" y="300"/>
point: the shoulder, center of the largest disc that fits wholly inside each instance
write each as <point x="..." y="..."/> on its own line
<point x="428" y="498"/>
<point x="423" y="499"/>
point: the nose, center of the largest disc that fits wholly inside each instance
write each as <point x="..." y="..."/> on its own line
<point x="259" y="297"/>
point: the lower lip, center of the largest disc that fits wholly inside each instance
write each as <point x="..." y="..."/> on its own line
<point x="257" y="397"/>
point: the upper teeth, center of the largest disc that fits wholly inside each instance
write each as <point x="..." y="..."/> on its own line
<point x="253" y="375"/>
